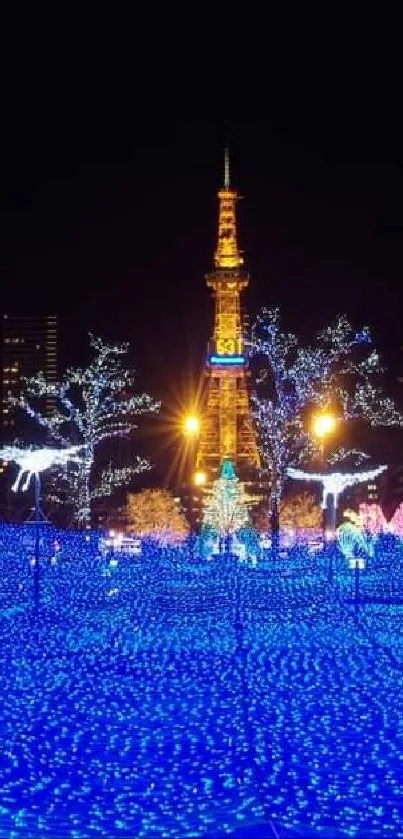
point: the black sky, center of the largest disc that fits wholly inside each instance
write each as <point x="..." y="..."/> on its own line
<point x="110" y="221"/>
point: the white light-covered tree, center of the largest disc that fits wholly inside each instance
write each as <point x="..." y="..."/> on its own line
<point x="341" y="371"/>
<point x="92" y="404"/>
<point x="226" y="511"/>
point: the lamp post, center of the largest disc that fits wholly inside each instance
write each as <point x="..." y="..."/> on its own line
<point x="194" y="480"/>
<point x="191" y="426"/>
<point x="334" y="483"/>
<point x="31" y="463"/>
<point x="322" y="426"/>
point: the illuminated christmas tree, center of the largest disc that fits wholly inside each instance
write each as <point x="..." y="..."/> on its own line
<point x="341" y="371"/>
<point x="92" y="404"/>
<point x="155" y="513"/>
<point x="226" y="510"/>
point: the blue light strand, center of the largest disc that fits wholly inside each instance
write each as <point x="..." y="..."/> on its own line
<point x="92" y="405"/>
<point x="133" y="705"/>
<point x="340" y="371"/>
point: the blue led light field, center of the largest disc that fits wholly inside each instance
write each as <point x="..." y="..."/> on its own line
<point x="170" y="696"/>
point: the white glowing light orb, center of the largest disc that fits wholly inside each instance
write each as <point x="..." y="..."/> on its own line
<point x="191" y="425"/>
<point x="200" y="478"/>
<point x="324" y="424"/>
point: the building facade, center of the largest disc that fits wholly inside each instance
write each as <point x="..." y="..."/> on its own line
<point x="29" y="344"/>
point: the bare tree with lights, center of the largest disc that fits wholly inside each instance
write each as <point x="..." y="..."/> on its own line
<point x="92" y="404"/>
<point x="342" y="371"/>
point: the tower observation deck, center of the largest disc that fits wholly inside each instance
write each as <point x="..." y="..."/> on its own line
<point x="226" y="426"/>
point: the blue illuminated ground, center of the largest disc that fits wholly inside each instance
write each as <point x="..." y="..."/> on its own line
<point x="174" y="697"/>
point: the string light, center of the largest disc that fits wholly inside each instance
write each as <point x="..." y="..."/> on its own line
<point x="32" y="461"/>
<point x="352" y="538"/>
<point x="340" y="369"/>
<point x="118" y="476"/>
<point x="375" y="521"/>
<point x="334" y="483"/>
<point x="225" y="509"/>
<point x="156" y="514"/>
<point x="166" y="696"/>
<point x="92" y="404"/>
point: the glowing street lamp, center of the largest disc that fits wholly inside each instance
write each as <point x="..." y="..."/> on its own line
<point x="191" y="425"/>
<point x="199" y="479"/>
<point x="323" y="425"/>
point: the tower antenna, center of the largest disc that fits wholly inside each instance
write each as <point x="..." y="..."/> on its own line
<point x="226" y="169"/>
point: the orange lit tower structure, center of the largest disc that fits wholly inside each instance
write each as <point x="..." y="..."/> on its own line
<point x="226" y="426"/>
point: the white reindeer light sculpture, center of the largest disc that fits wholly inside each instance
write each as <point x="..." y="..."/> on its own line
<point x="33" y="461"/>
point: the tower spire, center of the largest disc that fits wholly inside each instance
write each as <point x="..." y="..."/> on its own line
<point x="226" y="168"/>
<point x="227" y="254"/>
<point x="227" y="431"/>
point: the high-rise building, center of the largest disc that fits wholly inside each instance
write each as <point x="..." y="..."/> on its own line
<point x="29" y="344"/>
<point x="226" y="424"/>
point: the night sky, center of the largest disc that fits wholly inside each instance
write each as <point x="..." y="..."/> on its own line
<point x="110" y="221"/>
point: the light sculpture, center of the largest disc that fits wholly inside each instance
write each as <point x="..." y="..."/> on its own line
<point x="32" y="462"/>
<point x="96" y="403"/>
<point x="340" y="368"/>
<point x="352" y="540"/>
<point x="334" y="483"/>
<point x="225" y="510"/>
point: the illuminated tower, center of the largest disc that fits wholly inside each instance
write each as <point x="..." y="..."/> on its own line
<point x="226" y="429"/>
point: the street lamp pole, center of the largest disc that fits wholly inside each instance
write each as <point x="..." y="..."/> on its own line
<point x="191" y="431"/>
<point x="323" y="425"/>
